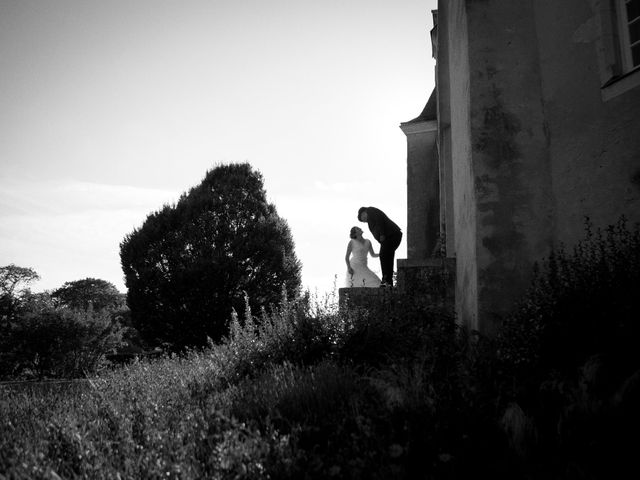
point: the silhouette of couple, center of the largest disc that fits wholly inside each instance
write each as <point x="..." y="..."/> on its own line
<point x="388" y="234"/>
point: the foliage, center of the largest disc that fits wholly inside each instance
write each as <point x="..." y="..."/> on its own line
<point x="60" y="335"/>
<point x="142" y="421"/>
<point x="298" y="331"/>
<point x="306" y="391"/>
<point x="580" y="304"/>
<point x="568" y="358"/>
<point x="57" y="343"/>
<point x="11" y="277"/>
<point x="190" y="264"/>
<point x="276" y="399"/>
<point x="79" y="294"/>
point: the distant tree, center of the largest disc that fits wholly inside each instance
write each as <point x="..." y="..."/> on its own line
<point x="191" y="263"/>
<point x="79" y="294"/>
<point x="11" y="278"/>
<point x="66" y="333"/>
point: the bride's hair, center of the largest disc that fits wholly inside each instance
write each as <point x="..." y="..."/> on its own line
<point x="353" y="231"/>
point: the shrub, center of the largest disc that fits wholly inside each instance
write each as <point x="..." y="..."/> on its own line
<point x="57" y="343"/>
<point x="405" y="330"/>
<point x="580" y="304"/>
<point x="306" y="391"/>
<point x="326" y="412"/>
<point x="568" y="360"/>
<point x="301" y="331"/>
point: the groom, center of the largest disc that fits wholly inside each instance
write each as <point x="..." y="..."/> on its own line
<point x="388" y="234"/>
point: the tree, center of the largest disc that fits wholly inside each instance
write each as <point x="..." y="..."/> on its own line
<point x="191" y="263"/>
<point x="79" y="294"/>
<point x="11" y="277"/>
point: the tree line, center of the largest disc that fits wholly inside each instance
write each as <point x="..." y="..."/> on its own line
<point x="222" y="247"/>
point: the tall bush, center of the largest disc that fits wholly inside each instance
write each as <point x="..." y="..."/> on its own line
<point x="190" y="264"/>
<point x="581" y="303"/>
<point x="568" y="361"/>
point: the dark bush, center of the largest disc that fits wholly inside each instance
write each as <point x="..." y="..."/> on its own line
<point x="191" y="263"/>
<point x="568" y="359"/>
<point x="580" y="304"/>
<point x="57" y="343"/>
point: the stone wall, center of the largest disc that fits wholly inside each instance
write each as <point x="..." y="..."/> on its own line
<point x="510" y="158"/>
<point x="536" y="128"/>
<point x="423" y="188"/>
<point x="540" y="138"/>
<point x="464" y="212"/>
<point x="593" y="127"/>
<point x="429" y="282"/>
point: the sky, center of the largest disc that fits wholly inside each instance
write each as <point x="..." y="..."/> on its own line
<point x="110" y="109"/>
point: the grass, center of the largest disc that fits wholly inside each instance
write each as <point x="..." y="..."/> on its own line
<point x="308" y="392"/>
<point x="279" y="398"/>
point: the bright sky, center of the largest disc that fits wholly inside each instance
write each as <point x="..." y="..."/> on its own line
<point x="111" y="108"/>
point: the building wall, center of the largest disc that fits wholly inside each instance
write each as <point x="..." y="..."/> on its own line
<point x="594" y="140"/>
<point x="510" y="157"/>
<point x="423" y="206"/>
<point x="533" y="136"/>
<point x="464" y="195"/>
<point x="443" y="102"/>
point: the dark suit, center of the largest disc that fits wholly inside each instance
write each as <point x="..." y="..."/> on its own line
<point x="382" y="226"/>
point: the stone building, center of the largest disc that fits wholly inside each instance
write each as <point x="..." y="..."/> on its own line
<point x="533" y="125"/>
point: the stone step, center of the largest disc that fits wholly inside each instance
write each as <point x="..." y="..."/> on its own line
<point x="429" y="282"/>
<point x="434" y="277"/>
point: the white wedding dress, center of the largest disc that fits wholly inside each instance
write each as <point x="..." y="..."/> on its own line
<point x="362" y="275"/>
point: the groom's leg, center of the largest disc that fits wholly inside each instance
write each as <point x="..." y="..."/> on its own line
<point x="387" y="252"/>
<point x="383" y="267"/>
<point x="388" y="248"/>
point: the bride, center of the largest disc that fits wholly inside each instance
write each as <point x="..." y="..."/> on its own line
<point x="358" y="274"/>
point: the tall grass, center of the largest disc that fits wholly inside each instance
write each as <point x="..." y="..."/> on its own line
<point x="307" y="391"/>
<point x="279" y="398"/>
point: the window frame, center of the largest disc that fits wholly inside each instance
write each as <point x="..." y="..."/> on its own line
<point x="616" y="64"/>
<point x="623" y="24"/>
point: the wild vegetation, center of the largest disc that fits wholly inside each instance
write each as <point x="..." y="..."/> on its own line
<point x="306" y="391"/>
<point x="186" y="268"/>
<point x="58" y="334"/>
<point x="190" y="263"/>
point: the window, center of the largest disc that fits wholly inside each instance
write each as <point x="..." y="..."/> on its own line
<point x="629" y="33"/>
<point x="620" y="47"/>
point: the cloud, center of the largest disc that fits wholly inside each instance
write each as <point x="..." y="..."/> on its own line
<point x="61" y="197"/>
<point x="70" y="230"/>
